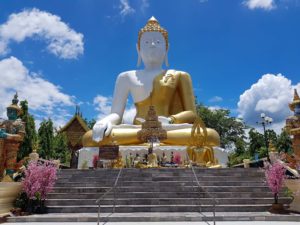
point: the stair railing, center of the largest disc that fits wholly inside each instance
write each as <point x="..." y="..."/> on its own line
<point x="113" y="188"/>
<point x="204" y="189"/>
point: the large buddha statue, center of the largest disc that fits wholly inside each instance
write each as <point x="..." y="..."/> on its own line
<point x="169" y="91"/>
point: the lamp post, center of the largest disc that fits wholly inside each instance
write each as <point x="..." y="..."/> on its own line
<point x="265" y="120"/>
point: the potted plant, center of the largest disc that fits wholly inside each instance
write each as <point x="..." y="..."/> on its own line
<point x="39" y="181"/>
<point x="275" y="176"/>
<point x="95" y="161"/>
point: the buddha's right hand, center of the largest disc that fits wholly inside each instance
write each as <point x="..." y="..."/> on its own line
<point x="101" y="128"/>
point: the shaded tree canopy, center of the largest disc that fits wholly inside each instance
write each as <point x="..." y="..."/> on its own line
<point x="230" y="129"/>
<point x="30" y="135"/>
<point x="46" y="136"/>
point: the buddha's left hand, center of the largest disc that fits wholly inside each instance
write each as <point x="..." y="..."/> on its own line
<point x="164" y="120"/>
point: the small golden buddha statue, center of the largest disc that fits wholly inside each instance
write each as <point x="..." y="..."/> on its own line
<point x="152" y="159"/>
<point x="169" y="91"/>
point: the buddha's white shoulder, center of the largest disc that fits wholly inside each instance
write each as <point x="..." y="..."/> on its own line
<point x="127" y="74"/>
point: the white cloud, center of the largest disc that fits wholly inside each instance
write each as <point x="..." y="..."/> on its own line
<point x="44" y="97"/>
<point x="270" y="95"/>
<point x="103" y="106"/>
<point x="144" y="5"/>
<point x="214" y="108"/>
<point x="216" y="99"/>
<point x="260" y="4"/>
<point x="125" y="8"/>
<point x="61" y="40"/>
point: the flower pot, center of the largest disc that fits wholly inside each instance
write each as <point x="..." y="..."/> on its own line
<point x="277" y="208"/>
<point x="36" y="207"/>
<point x="8" y="194"/>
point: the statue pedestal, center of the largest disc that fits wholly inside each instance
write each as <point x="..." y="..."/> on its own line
<point x="87" y="153"/>
<point x="2" y="157"/>
<point x="11" y="147"/>
<point x="8" y="194"/>
<point x="296" y="144"/>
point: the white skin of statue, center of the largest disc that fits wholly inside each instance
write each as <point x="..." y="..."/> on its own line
<point x="138" y="83"/>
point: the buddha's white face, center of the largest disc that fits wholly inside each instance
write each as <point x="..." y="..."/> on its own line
<point x="152" y="48"/>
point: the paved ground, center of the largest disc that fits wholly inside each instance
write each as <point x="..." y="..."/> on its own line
<point x="169" y="223"/>
<point x="154" y="218"/>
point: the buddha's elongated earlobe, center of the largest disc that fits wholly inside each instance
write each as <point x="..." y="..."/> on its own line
<point x="166" y="59"/>
<point x="139" y="56"/>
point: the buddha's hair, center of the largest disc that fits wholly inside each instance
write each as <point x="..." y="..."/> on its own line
<point x="153" y="26"/>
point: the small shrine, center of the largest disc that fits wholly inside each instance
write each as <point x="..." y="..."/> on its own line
<point x="74" y="131"/>
<point x="293" y="123"/>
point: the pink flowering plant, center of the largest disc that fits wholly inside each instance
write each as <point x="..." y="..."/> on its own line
<point x="177" y="158"/>
<point x="95" y="161"/>
<point x="39" y="180"/>
<point x="275" y="175"/>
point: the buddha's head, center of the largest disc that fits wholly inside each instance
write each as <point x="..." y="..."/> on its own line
<point x="152" y="44"/>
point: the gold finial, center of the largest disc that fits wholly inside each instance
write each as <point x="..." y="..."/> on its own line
<point x="35" y="146"/>
<point x="14" y="104"/>
<point x="296" y="100"/>
<point x="296" y="96"/>
<point x="272" y="147"/>
<point x="198" y="133"/>
<point x="153" y="26"/>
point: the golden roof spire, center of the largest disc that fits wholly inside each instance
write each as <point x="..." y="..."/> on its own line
<point x="153" y="26"/>
<point x="296" y="100"/>
<point x="296" y="96"/>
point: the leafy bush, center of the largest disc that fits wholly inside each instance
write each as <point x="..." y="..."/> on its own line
<point x="21" y="201"/>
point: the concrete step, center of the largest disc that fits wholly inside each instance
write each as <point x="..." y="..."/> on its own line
<point x="167" y="178"/>
<point x="261" y="188"/>
<point x="162" y="195"/>
<point x="155" y="217"/>
<point x="155" y="184"/>
<point x="166" y="201"/>
<point x="158" y="208"/>
<point x="162" y="172"/>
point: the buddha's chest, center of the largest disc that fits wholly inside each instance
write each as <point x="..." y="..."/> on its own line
<point x="159" y="89"/>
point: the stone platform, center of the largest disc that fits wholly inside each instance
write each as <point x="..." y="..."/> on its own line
<point x="160" y="195"/>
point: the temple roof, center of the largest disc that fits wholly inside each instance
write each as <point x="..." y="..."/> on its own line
<point x="74" y="118"/>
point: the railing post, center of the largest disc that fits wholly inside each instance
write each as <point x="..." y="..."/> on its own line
<point x="98" y="220"/>
<point x="114" y="200"/>
<point x="199" y="186"/>
<point x="98" y="201"/>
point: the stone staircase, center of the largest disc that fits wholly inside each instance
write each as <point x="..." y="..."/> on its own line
<point x="168" y="191"/>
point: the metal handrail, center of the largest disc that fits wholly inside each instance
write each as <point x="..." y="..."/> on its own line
<point x="98" y="201"/>
<point x="201" y="187"/>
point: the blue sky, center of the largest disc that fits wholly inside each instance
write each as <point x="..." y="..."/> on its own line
<point x="228" y="47"/>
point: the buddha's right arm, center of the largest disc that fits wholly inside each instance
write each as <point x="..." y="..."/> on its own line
<point x="119" y="100"/>
<point x="104" y="126"/>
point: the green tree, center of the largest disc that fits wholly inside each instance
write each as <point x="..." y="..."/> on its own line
<point x="284" y="142"/>
<point x="30" y="136"/>
<point x="46" y="136"/>
<point x="271" y="136"/>
<point x="60" y="148"/>
<point x="230" y="129"/>
<point x="256" y="141"/>
<point x="90" y="123"/>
